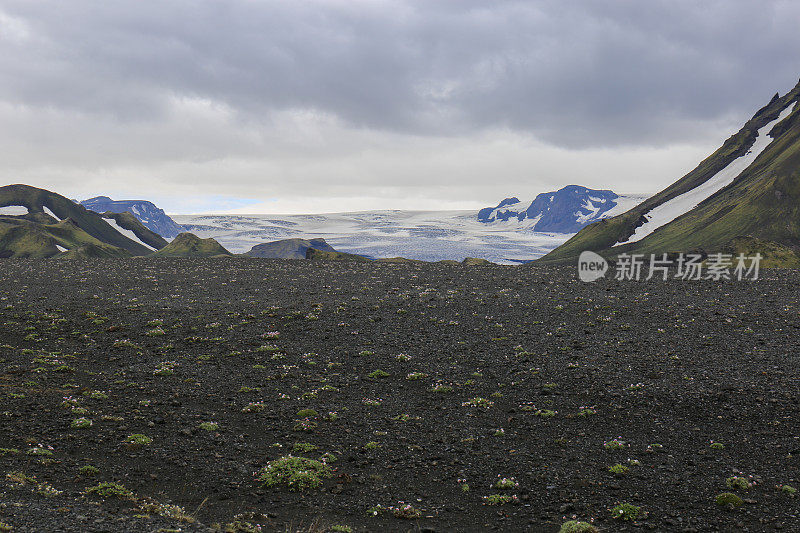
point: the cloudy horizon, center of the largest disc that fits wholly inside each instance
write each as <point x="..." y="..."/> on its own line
<point x="344" y="105"/>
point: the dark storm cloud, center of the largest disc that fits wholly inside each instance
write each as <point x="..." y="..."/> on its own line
<point x="573" y="73"/>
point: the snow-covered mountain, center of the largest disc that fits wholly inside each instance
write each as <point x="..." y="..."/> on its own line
<point x="566" y="210"/>
<point x="148" y="213"/>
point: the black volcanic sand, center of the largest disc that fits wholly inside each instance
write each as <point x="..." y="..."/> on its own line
<point x="666" y="367"/>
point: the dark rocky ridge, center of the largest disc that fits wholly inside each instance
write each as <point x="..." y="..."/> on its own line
<point x="288" y="248"/>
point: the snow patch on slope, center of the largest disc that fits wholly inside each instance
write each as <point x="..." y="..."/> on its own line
<point x="61" y="248"/>
<point x="593" y="210"/>
<point x="46" y="210"/>
<point x="625" y="203"/>
<point x="531" y="222"/>
<point x="672" y="209"/>
<point x="14" y="210"/>
<point x="128" y="233"/>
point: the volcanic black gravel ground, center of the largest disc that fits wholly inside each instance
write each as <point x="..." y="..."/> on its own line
<point x="556" y="368"/>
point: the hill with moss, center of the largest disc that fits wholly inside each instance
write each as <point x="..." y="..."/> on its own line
<point x="35" y="222"/>
<point x="400" y="260"/>
<point x="323" y="255"/>
<point x="20" y="238"/>
<point x="126" y="222"/>
<point x="92" y="251"/>
<point x="744" y="196"/>
<point x="190" y="245"/>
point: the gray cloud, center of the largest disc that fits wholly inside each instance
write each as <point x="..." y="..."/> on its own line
<point x="182" y="81"/>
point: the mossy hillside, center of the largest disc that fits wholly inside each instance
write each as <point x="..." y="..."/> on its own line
<point x="399" y="260"/>
<point x="321" y="255"/>
<point x="597" y="236"/>
<point x="93" y="251"/>
<point x="734" y="147"/>
<point x="190" y="245"/>
<point x="761" y="204"/>
<point x="775" y="255"/>
<point x="128" y="221"/>
<point x="475" y="261"/>
<point x="605" y="233"/>
<point x="71" y="236"/>
<point x="25" y="239"/>
<point x="36" y="200"/>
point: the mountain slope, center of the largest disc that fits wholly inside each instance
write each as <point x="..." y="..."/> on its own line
<point x="21" y="238"/>
<point x="190" y="245"/>
<point x="132" y="227"/>
<point x="749" y="188"/>
<point x="47" y="208"/>
<point x="91" y="251"/>
<point x="564" y="211"/>
<point x="288" y="248"/>
<point x="153" y="218"/>
<point x="325" y="255"/>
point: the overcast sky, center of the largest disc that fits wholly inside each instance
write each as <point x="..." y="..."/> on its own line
<point x="335" y="105"/>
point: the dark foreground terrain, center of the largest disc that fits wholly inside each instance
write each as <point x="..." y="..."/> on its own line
<point x="180" y="380"/>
